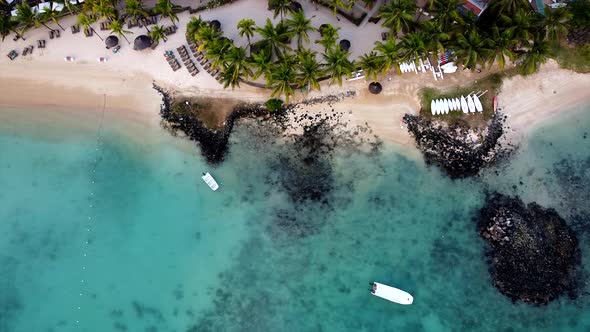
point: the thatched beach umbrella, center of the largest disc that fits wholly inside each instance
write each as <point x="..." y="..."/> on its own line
<point x="142" y="42"/>
<point x="295" y="6"/>
<point x="111" y="41"/>
<point x="375" y="88"/>
<point x="215" y="24"/>
<point x="345" y="44"/>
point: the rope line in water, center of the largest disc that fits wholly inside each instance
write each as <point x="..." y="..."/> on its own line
<point x="89" y="223"/>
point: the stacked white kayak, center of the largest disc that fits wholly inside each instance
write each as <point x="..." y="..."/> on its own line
<point x="210" y="181"/>
<point x="469" y="104"/>
<point x="391" y="293"/>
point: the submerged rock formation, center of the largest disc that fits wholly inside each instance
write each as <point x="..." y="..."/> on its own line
<point x="533" y="253"/>
<point x="459" y="150"/>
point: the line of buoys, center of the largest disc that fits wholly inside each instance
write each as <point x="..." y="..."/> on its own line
<point x="91" y="205"/>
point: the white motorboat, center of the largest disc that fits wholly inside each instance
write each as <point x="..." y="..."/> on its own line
<point x="432" y="107"/>
<point x="391" y="293"/>
<point x="477" y="103"/>
<point x="471" y="104"/>
<point x="464" y="106"/>
<point x="210" y="181"/>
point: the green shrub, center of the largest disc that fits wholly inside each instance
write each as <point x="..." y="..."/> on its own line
<point x="273" y="104"/>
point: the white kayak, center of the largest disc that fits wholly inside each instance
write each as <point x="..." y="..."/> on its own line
<point x="432" y="106"/>
<point x="210" y="181"/>
<point x="391" y="293"/>
<point x="464" y="106"/>
<point x="477" y="102"/>
<point x="471" y="104"/>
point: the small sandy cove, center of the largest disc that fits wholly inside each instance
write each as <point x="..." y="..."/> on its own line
<point x="125" y="80"/>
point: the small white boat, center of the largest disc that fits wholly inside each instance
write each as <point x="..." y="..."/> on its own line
<point x="432" y="104"/>
<point x="210" y="181"/>
<point x="435" y="109"/>
<point x="477" y="103"/>
<point x="391" y="293"/>
<point x="464" y="106"/>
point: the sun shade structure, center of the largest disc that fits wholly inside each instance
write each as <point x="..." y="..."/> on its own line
<point x="142" y="42"/>
<point x="375" y="88"/>
<point x="345" y="44"/>
<point x="295" y="6"/>
<point x="215" y="24"/>
<point x="111" y="41"/>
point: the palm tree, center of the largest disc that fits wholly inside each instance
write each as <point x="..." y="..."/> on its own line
<point x="193" y="26"/>
<point x="398" y="15"/>
<point x="300" y="25"/>
<point x="390" y="54"/>
<point x="436" y="36"/>
<point x="282" y="7"/>
<point x="167" y="9"/>
<point x="447" y="14"/>
<point x="216" y="51"/>
<point x="118" y="28"/>
<point x="502" y="43"/>
<point x="372" y="64"/>
<point x="261" y="61"/>
<point x="329" y="36"/>
<point x="50" y="14"/>
<point x="246" y="27"/>
<point x="556" y="22"/>
<point x="473" y="49"/>
<point x="237" y="67"/>
<point x="537" y="55"/>
<point x="86" y="22"/>
<point x="205" y="35"/>
<point x="413" y="46"/>
<point x="157" y="33"/>
<point x="310" y="70"/>
<point x="509" y="7"/>
<point x="335" y="4"/>
<point x="134" y="9"/>
<point x="104" y="8"/>
<point x="26" y="18"/>
<point x="274" y="38"/>
<point x="281" y="78"/>
<point x="337" y="64"/>
<point x="520" y="24"/>
<point x="6" y="26"/>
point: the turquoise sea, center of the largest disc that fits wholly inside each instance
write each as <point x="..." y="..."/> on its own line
<point x="113" y="230"/>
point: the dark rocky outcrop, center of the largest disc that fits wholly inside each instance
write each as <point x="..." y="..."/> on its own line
<point x="533" y="254"/>
<point x="459" y="150"/>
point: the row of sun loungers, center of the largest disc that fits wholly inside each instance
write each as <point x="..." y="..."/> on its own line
<point x="75" y="29"/>
<point x="27" y="50"/>
<point x="204" y="62"/>
<point x="142" y="22"/>
<point x="54" y="34"/>
<point x="169" y="30"/>
<point x="190" y="65"/>
<point x="174" y="64"/>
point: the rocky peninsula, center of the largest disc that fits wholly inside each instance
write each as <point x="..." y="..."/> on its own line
<point x="533" y="254"/>
<point x="461" y="151"/>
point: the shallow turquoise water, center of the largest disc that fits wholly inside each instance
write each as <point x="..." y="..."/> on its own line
<point x="120" y="234"/>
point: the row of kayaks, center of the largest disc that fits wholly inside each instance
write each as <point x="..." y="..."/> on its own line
<point x="469" y="104"/>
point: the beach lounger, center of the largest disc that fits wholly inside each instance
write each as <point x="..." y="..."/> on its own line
<point x="207" y="66"/>
<point x="89" y="32"/>
<point x="50" y="34"/>
<point x="25" y="51"/>
<point x="104" y="26"/>
<point x="57" y="34"/>
<point x="384" y="35"/>
<point x="74" y="30"/>
<point x="213" y="73"/>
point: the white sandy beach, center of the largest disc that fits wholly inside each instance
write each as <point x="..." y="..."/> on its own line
<point x="44" y="78"/>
